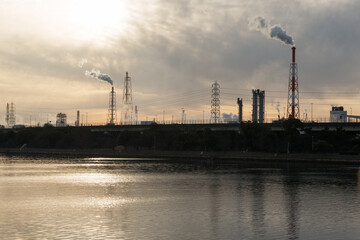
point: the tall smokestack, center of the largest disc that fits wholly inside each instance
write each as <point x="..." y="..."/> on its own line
<point x="293" y="108"/>
<point x="77" y="122"/>
<point x="112" y="107"/>
<point x="293" y="53"/>
<point x="240" y="103"/>
<point x="293" y="84"/>
<point x="261" y="95"/>
<point x="255" y="113"/>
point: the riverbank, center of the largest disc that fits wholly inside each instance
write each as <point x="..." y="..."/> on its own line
<point x="189" y="155"/>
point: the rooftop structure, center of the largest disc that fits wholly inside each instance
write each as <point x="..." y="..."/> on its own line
<point x="337" y="114"/>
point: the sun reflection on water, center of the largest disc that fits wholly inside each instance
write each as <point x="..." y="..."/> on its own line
<point x="96" y="178"/>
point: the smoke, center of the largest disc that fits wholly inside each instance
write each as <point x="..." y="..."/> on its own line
<point x="98" y="75"/>
<point x="275" y="31"/>
<point x="259" y="24"/>
<point x="82" y="62"/>
<point x="278" y="108"/>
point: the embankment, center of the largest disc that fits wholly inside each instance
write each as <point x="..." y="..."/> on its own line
<point x="188" y="155"/>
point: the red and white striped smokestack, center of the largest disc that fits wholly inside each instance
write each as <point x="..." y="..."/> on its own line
<point x="293" y="54"/>
<point x="293" y="84"/>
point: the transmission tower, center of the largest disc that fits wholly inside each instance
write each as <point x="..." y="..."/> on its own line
<point x="215" y="103"/>
<point x="111" y="118"/>
<point x="127" y="100"/>
<point x="293" y="107"/>
<point x="7" y="117"/>
<point x="10" y="115"/>
<point x="183" y="116"/>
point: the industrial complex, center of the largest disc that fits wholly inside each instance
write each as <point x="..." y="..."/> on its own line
<point x="226" y="132"/>
<point x="129" y="113"/>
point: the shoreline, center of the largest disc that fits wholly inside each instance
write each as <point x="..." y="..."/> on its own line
<point x="189" y="155"/>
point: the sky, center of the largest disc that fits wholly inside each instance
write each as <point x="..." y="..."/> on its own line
<point x="174" y="51"/>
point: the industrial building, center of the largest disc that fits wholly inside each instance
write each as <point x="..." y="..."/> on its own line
<point x="258" y="113"/>
<point x="61" y="120"/>
<point x="337" y="114"/>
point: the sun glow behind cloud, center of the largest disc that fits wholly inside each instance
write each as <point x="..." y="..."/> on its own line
<point x="172" y="47"/>
<point x="96" y="20"/>
<point x="67" y="21"/>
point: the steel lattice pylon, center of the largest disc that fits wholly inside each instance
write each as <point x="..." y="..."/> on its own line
<point x="127" y="100"/>
<point x="10" y="115"/>
<point x="293" y="106"/>
<point x="215" y="103"/>
<point x="7" y="117"/>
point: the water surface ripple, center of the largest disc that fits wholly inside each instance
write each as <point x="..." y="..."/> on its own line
<point x="42" y="198"/>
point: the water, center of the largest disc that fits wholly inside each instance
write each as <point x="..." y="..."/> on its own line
<point x="131" y="199"/>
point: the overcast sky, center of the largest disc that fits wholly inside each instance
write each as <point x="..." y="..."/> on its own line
<point x="174" y="50"/>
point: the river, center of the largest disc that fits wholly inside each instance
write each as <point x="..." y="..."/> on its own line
<point x="102" y="198"/>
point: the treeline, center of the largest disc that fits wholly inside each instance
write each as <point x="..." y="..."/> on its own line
<point x="250" y="137"/>
<point x="51" y="137"/>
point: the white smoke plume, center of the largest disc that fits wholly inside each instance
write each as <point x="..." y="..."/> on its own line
<point x="275" y="31"/>
<point x="278" y="108"/>
<point x="98" y="75"/>
<point x="82" y="62"/>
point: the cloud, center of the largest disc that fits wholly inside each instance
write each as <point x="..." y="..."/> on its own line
<point x="176" y="47"/>
<point x="230" y="117"/>
<point x="82" y="62"/>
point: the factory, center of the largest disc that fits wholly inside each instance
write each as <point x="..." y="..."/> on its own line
<point x="61" y="120"/>
<point x="339" y="115"/>
<point x="258" y="112"/>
